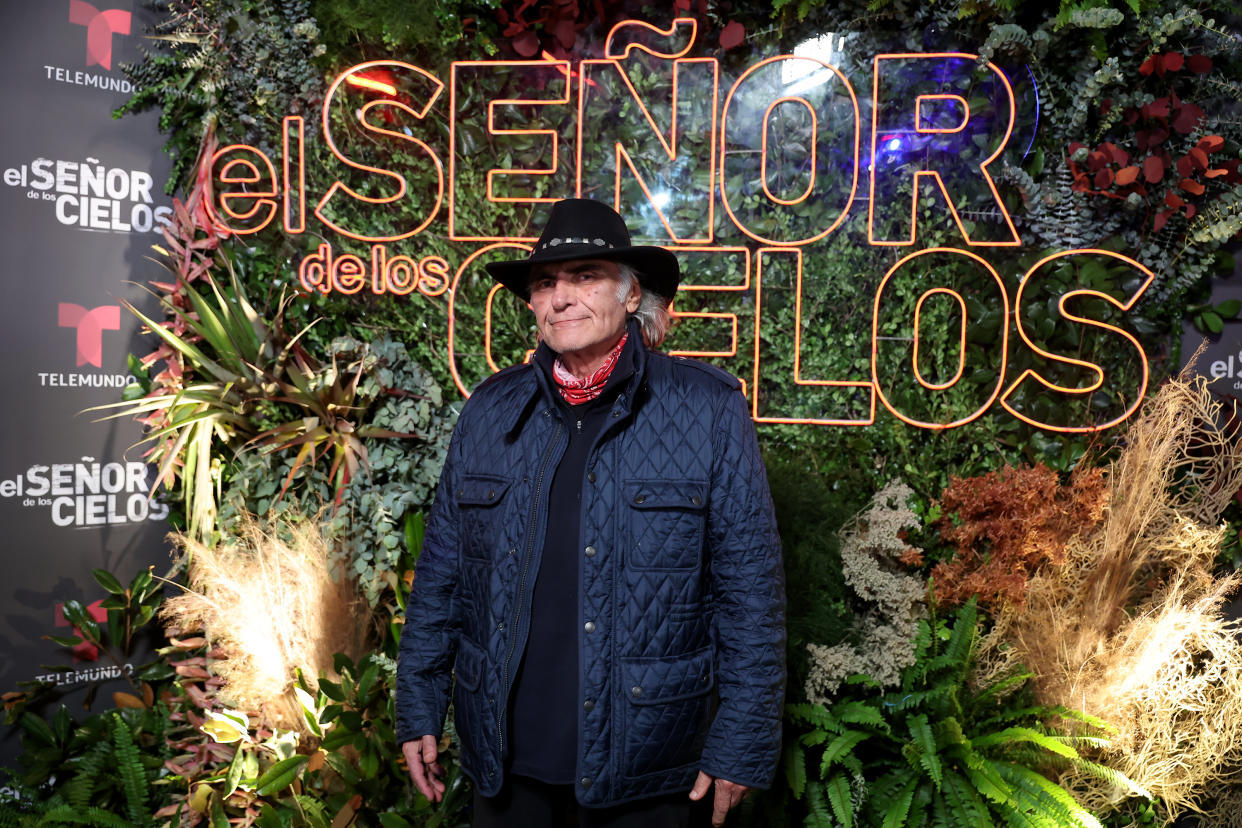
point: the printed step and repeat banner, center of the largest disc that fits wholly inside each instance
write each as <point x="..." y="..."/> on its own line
<point x="83" y="198"/>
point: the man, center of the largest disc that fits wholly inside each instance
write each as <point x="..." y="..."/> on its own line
<point x="601" y="570"/>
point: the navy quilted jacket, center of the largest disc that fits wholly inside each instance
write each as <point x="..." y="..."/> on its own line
<point x="683" y="668"/>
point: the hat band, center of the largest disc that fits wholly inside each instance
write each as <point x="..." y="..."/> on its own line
<point x="557" y="242"/>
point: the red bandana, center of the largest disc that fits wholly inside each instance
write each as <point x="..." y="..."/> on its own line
<point x="577" y="391"/>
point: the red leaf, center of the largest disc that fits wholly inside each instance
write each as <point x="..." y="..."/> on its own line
<point x="1127" y="176"/>
<point x="1216" y="173"/>
<point x="1173" y="61"/>
<point x="526" y="44"/>
<point x="1159" y="108"/>
<point x="1075" y="147"/>
<point x="1148" y="66"/>
<point x="732" y="35"/>
<point x="1210" y="143"/>
<point x="565" y="33"/>
<point x="1185" y="166"/>
<point x="1095" y="160"/>
<point x="1158" y="136"/>
<point x="1191" y="186"/>
<point x="1162" y="218"/>
<point x="1199" y="157"/>
<point x="1131" y="116"/>
<point x="1191" y="210"/>
<point x="1199" y="64"/>
<point x="1115" y="153"/>
<point x="1153" y="169"/>
<point x="1187" y="116"/>
<point x="1173" y="199"/>
<point x="1104" y="178"/>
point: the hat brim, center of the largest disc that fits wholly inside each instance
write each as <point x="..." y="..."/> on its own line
<point x="657" y="268"/>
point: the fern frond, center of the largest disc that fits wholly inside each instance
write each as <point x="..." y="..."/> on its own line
<point x="92" y="816"/>
<point x="838" y="790"/>
<point x="795" y="769"/>
<point x="925" y="742"/>
<point x="1049" y="802"/>
<point x="1012" y="735"/>
<point x="133" y="775"/>
<point x="817" y="808"/>
<point x="895" y="816"/>
<point x="840" y="747"/>
<point x="88" y="769"/>
<point x="856" y="712"/>
<point x="966" y="806"/>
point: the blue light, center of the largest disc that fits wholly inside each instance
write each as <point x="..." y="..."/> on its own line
<point x="894" y="144"/>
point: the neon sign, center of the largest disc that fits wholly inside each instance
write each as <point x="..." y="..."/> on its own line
<point x="712" y="148"/>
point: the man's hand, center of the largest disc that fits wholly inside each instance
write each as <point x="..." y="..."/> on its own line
<point x="424" y="769"/>
<point x="728" y="794"/>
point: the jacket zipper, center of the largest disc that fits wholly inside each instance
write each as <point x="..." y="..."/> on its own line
<point x="517" y="607"/>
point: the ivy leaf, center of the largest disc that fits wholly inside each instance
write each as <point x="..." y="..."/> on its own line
<point x="1213" y="322"/>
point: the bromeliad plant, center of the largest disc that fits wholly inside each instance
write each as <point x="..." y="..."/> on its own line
<point x="938" y="752"/>
<point x="244" y="383"/>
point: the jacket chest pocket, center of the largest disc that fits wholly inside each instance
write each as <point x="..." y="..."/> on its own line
<point x="483" y="509"/>
<point x="666" y="522"/>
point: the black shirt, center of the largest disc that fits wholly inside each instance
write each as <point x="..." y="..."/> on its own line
<point x="543" y="721"/>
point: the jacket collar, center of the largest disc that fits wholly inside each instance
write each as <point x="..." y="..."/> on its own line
<point x="536" y="385"/>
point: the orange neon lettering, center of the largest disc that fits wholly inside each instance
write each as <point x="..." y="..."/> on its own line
<point x="244" y="171"/>
<point x="921" y="122"/>
<point x="895" y="125"/>
<point x="417" y="81"/>
<point x="348" y="274"/>
<point x="294" y="131"/>
<point x="882" y="332"/>
<point x="313" y="270"/>
<point x="433" y="276"/>
<point x="744" y="131"/>
<point x="1093" y="369"/>
<point x="469" y="290"/>
<point x="669" y="44"/>
<point x="550" y="76"/>
<point x="918" y="337"/>
<point x="400" y="275"/>
<point x="604" y="86"/>
<point x="813" y="394"/>
<point x="364" y="82"/>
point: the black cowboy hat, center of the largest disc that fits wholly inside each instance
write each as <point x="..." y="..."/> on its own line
<point x="582" y="228"/>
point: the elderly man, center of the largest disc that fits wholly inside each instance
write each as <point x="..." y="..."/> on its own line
<point x="601" y="570"/>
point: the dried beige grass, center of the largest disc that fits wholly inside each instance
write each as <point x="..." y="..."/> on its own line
<point x="269" y="601"/>
<point x="1130" y="628"/>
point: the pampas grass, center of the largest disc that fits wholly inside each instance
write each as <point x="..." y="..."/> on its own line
<point x="268" y="600"/>
<point x="1130" y="628"/>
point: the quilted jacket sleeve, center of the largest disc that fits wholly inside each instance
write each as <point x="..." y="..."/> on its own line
<point x="743" y="744"/>
<point x="429" y="637"/>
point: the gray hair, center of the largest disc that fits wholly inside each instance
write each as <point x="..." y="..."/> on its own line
<point x="653" y="315"/>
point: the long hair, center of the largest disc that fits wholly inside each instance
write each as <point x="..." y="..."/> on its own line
<point x="653" y="315"/>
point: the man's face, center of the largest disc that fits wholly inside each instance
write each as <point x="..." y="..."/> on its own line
<point x="578" y="310"/>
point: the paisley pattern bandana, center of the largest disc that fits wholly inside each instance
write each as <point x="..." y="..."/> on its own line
<point x="577" y="390"/>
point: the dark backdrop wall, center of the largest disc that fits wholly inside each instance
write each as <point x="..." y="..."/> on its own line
<point x="81" y="202"/>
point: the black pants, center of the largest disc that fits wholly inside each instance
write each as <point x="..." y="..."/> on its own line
<point x="528" y="803"/>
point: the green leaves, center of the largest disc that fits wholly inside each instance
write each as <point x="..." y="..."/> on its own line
<point x="280" y="775"/>
<point x="937" y="752"/>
